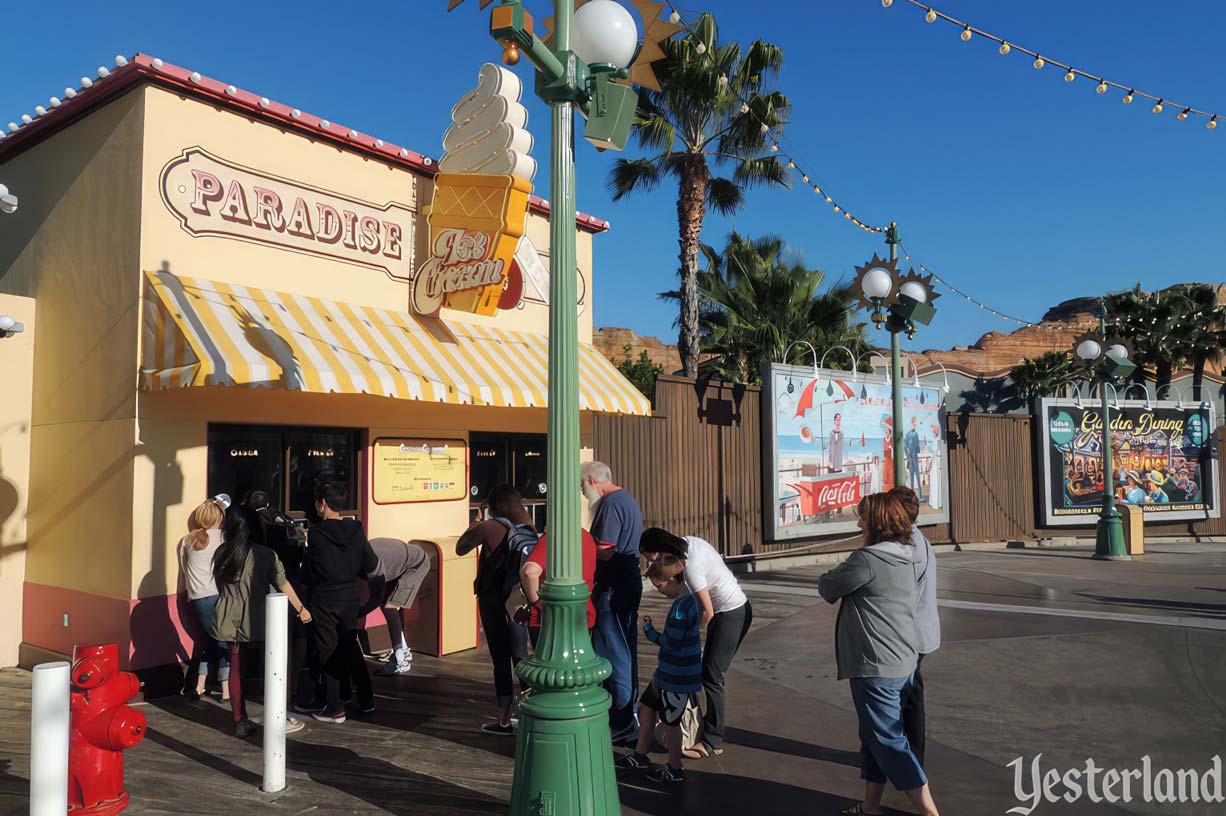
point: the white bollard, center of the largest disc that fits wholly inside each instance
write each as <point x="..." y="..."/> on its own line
<point x="276" y="667"/>
<point x="49" y="724"/>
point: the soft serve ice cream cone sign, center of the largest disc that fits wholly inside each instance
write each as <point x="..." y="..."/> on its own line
<point x="480" y="202"/>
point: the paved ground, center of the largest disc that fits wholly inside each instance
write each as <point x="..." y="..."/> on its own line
<point x="1044" y="651"/>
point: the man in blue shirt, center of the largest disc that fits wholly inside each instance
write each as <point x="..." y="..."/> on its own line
<point x="911" y="447"/>
<point x="616" y="520"/>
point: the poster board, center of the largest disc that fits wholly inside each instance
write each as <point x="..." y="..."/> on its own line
<point x="407" y="470"/>
<point x="828" y="442"/>
<point x="1161" y="454"/>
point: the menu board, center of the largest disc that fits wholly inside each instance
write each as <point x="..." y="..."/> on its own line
<point x="419" y="470"/>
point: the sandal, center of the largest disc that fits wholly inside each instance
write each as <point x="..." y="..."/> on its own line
<point x="696" y="751"/>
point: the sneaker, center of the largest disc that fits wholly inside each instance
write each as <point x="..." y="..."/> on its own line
<point x="666" y="774"/>
<point x="292" y="725"/>
<point x="244" y="729"/>
<point x="362" y="710"/>
<point x="394" y="666"/>
<point x="632" y="760"/>
<point x="498" y="729"/>
<point x="325" y="717"/>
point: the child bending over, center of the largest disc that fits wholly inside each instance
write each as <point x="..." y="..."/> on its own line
<point x="678" y="676"/>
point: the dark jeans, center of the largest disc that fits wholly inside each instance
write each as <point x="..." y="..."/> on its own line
<point x="336" y="642"/>
<point x="616" y="639"/>
<point x="507" y="642"/>
<point x="240" y="653"/>
<point x="724" y="635"/>
<point x="884" y="750"/>
<point x="913" y="721"/>
<point x="206" y="651"/>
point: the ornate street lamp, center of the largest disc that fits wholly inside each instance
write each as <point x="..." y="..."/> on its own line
<point x="8" y="201"/>
<point x="564" y="754"/>
<point x="1106" y="358"/>
<point x="898" y="302"/>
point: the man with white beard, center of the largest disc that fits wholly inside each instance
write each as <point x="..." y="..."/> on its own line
<point x="618" y="521"/>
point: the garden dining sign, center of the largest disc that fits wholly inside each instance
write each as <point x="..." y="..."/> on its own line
<point x="1161" y="452"/>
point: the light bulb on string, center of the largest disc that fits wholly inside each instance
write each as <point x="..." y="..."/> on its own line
<point x="1039" y="63"/>
<point x="804" y="179"/>
<point x="1128" y="98"/>
<point x="829" y="199"/>
<point x="966" y="34"/>
<point x="836" y="207"/>
<point x="774" y="148"/>
<point x="1070" y="76"/>
<point x="887" y="3"/>
<point x="701" y="48"/>
<point x="1212" y="123"/>
<point x="674" y="18"/>
<point x="1158" y="107"/>
<point x="931" y="16"/>
<point x="817" y="190"/>
<point x="791" y="164"/>
<point x="764" y="128"/>
<point x="1102" y="87"/>
<point x="1005" y="49"/>
<point x="744" y="109"/>
<point x="1183" y="114"/>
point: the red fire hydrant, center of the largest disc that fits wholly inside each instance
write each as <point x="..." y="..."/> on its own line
<point x="103" y="727"/>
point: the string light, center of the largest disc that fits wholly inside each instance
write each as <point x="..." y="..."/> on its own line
<point x="931" y="15"/>
<point x="964" y="295"/>
<point x="1212" y="123"/>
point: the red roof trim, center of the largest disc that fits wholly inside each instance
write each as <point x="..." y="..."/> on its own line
<point x="143" y="67"/>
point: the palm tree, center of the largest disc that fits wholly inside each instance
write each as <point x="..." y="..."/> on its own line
<point x="714" y="111"/>
<point x="1196" y="331"/>
<point x="758" y="296"/>
<point x="1045" y="376"/>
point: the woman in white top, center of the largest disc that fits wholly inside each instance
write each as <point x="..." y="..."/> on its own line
<point x="196" y="550"/>
<point x="726" y="613"/>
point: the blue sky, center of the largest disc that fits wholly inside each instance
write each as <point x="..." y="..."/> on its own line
<point x="1016" y="186"/>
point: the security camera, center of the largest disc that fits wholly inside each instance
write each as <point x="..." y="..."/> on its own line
<point x="8" y="202"/>
<point x="9" y="326"/>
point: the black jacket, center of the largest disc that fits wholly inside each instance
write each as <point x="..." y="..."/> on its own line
<point x="337" y="553"/>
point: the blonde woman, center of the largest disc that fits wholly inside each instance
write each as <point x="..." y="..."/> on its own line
<point x="196" y="551"/>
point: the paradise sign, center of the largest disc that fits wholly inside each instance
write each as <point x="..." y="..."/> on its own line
<point x="1161" y="456"/>
<point x="830" y="442"/>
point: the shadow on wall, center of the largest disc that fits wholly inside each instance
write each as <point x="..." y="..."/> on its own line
<point x="994" y="396"/>
<point x="162" y="622"/>
<point x="10" y="498"/>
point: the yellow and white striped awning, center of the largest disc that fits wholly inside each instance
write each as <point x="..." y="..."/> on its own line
<point x="204" y="332"/>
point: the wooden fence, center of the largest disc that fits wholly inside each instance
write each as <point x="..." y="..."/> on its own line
<point x="696" y="468"/>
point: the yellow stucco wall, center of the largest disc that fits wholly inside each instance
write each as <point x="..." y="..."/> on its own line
<point x="174" y="123"/>
<point x="17" y="374"/>
<point x="72" y="246"/>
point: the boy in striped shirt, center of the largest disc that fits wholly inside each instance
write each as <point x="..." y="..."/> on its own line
<point x="678" y="676"/>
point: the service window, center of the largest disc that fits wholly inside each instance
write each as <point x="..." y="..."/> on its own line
<point x="287" y="463"/>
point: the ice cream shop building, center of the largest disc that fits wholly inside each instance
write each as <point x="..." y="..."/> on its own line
<point x="218" y="292"/>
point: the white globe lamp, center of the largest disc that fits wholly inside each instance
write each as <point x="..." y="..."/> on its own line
<point x="914" y="290"/>
<point x="877" y="283"/>
<point x="1117" y="352"/>
<point x="1089" y="349"/>
<point x="604" y="32"/>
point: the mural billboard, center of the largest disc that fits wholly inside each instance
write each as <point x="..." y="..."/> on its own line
<point x="829" y="441"/>
<point x="1160" y="452"/>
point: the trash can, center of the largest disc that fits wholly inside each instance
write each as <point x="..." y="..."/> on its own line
<point x="1134" y="528"/>
<point x="443" y="620"/>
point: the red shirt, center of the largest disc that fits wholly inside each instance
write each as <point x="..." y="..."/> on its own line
<point x="588" y="546"/>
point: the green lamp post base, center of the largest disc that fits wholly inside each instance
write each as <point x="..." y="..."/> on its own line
<point x="1109" y="538"/>
<point x="564" y="748"/>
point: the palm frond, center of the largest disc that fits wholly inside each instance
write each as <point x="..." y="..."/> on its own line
<point x="724" y="196"/>
<point x="631" y="175"/>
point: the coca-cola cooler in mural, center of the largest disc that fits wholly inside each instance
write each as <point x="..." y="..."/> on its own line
<point x="827" y="492"/>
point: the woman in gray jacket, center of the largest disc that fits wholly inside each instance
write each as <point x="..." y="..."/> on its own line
<point x="875" y="647"/>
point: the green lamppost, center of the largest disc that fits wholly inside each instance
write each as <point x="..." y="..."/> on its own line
<point x="1108" y="365"/>
<point x="897" y="302"/>
<point x="564" y="754"/>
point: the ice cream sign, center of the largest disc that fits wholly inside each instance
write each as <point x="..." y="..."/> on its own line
<point x="480" y="204"/>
